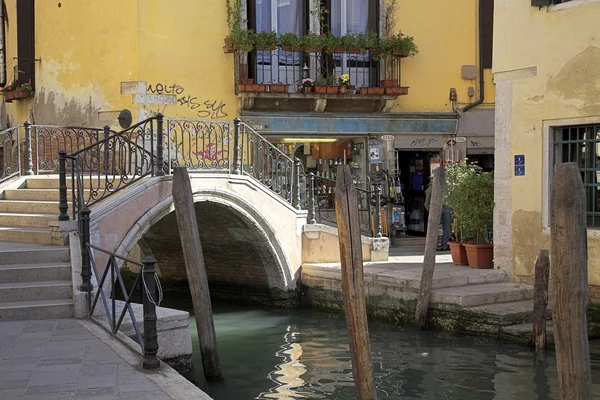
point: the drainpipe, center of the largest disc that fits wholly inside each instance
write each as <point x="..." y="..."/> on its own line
<point x="481" y="83"/>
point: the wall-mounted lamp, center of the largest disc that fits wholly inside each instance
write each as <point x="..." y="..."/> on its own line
<point x="305" y="72"/>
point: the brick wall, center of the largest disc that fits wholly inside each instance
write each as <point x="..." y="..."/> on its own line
<point x="237" y="259"/>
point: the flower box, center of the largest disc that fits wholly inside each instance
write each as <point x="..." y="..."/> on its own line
<point x="278" y="88"/>
<point x="326" y="89"/>
<point x="372" y="90"/>
<point x="252" y="87"/>
<point x="398" y="52"/>
<point x="398" y="90"/>
<point x="388" y="83"/>
<point x="16" y="95"/>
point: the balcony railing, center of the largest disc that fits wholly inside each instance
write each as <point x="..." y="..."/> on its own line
<point x="282" y="71"/>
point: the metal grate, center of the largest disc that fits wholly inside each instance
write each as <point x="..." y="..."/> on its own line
<point x="581" y="145"/>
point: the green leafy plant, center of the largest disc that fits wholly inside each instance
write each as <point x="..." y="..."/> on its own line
<point x="242" y="40"/>
<point x="311" y="42"/>
<point x="331" y="43"/>
<point x="264" y="40"/>
<point x="400" y="44"/>
<point x="289" y="40"/>
<point x="18" y="87"/>
<point x="349" y="43"/>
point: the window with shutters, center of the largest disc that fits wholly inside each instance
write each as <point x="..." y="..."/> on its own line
<point x="25" y="42"/>
<point x="488" y="32"/>
<point x="2" y="46"/>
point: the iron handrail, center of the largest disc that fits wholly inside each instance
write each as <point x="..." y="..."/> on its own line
<point x="258" y="135"/>
<point x="11" y="167"/>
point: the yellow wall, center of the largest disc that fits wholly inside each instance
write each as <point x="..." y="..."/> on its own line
<point x="446" y="33"/>
<point x="551" y="58"/>
<point x="87" y="48"/>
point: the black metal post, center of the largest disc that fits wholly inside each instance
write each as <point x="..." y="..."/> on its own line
<point x="150" y="334"/>
<point x="86" y="270"/>
<point x="63" y="206"/>
<point x="28" y="149"/>
<point x="160" y="143"/>
<point x="236" y="147"/>
<point x="312" y="210"/>
<point x="378" y="211"/>
<point x="106" y="150"/>
<point x="298" y="169"/>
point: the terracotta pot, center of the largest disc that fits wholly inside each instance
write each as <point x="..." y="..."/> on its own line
<point x="397" y="52"/>
<point x="343" y="89"/>
<point x="228" y="48"/>
<point x="320" y="89"/>
<point x="458" y="252"/>
<point x="286" y="47"/>
<point x="388" y="83"/>
<point x="278" y="88"/>
<point x="480" y="255"/>
<point x="336" y="50"/>
<point x="372" y="90"/>
<point x="332" y="89"/>
<point x="398" y="91"/>
<point x="16" y="95"/>
<point x="246" y="81"/>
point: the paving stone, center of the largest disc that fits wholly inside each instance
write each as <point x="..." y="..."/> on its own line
<point x="18" y="364"/>
<point x="14" y="380"/>
<point x="60" y="361"/>
<point x="40" y="326"/>
<point x="101" y="355"/>
<point x="97" y="393"/>
<point x="66" y="353"/>
<point x="70" y="395"/>
<point x="23" y="352"/>
<point x="145" y="395"/>
<point x="12" y="394"/>
<point x="97" y="381"/>
<point x="54" y="377"/>
<point x="98" y="369"/>
<point x="52" y="388"/>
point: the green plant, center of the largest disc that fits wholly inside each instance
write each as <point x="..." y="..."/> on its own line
<point x="348" y="42"/>
<point x="18" y="87"/>
<point x="389" y="18"/>
<point x="320" y="11"/>
<point x="321" y="82"/>
<point x="311" y="42"/>
<point x="330" y="42"/>
<point x="234" y="15"/>
<point x="242" y="40"/>
<point x="343" y="79"/>
<point x="264" y="40"/>
<point x="289" y="39"/>
<point x="398" y="43"/>
<point x="470" y="195"/>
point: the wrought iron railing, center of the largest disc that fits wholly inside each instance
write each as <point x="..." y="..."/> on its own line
<point x="145" y="283"/>
<point x="10" y="153"/>
<point x="282" y="71"/>
<point x="321" y="205"/>
<point x="109" y="165"/>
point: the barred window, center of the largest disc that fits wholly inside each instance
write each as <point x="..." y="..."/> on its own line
<point x="581" y="144"/>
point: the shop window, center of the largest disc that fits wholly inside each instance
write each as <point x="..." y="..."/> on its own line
<point x="25" y="42"/>
<point x="581" y="145"/>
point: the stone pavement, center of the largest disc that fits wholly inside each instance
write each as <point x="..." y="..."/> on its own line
<point x="77" y="359"/>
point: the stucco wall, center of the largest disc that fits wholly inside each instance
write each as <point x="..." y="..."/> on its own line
<point x="546" y="63"/>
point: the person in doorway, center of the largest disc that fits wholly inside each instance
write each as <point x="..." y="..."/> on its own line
<point x="446" y="217"/>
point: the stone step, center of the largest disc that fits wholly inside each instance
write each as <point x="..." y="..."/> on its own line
<point x="37" y="194"/>
<point x="477" y="295"/>
<point x="51" y="181"/>
<point x="503" y="314"/>
<point x="27" y="220"/>
<point x="38" y="309"/>
<point x="26" y="254"/>
<point x="13" y="273"/>
<point x="30" y="291"/>
<point x="26" y="207"/>
<point x="25" y="235"/>
<point x="522" y="332"/>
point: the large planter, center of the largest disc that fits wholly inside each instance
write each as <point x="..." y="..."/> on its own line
<point x="16" y="95"/>
<point x="371" y="91"/>
<point x="388" y="83"/>
<point x="459" y="253"/>
<point x="398" y="91"/>
<point x="480" y="255"/>
<point x="327" y="89"/>
<point x="255" y="87"/>
<point x="278" y="88"/>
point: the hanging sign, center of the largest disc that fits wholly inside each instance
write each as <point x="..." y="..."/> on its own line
<point x="387" y="137"/>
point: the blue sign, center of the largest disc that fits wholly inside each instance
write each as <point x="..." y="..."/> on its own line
<point x="520" y="165"/>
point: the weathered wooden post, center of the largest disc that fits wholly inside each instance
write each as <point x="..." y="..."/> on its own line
<point x="346" y="210"/>
<point x="540" y="301"/>
<point x="149" y="309"/>
<point x="196" y="272"/>
<point x="570" y="283"/>
<point x="435" y="213"/>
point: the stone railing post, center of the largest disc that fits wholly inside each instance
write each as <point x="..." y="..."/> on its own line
<point x="106" y="150"/>
<point x="86" y="270"/>
<point x="237" y="162"/>
<point x="312" y="209"/>
<point x="148" y="296"/>
<point x="28" y="150"/>
<point x="160" y="143"/>
<point x="297" y="171"/>
<point x="63" y="206"/>
<point x="378" y="211"/>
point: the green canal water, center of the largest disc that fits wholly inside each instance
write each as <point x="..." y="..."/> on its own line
<point x="304" y="354"/>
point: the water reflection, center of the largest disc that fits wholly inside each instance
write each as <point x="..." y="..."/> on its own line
<point x="303" y="354"/>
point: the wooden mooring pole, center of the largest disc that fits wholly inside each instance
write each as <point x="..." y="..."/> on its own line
<point x="346" y="210"/>
<point x="196" y="272"/>
<point x="435" y="213"/>
<point x="569" y="271"/>
<point x="540" y="301"/>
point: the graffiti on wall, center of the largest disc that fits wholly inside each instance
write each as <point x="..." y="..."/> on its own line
<point x="209" y="109"/>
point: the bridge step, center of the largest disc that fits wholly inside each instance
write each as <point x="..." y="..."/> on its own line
<point x="30" y="291"/>
<point x="51" y="181"/>
<point x="37" y="194"/>
<point x="38" y="309"/>
<point x="26" y="254"/>
<point x="13" y="273"/>
<point x="26" y="220"/>
<point x="478" y="295"/>
<point x="25" y="235"/>
<point x="38" y="207"/>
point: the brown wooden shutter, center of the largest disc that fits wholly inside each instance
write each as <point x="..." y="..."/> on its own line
<point x="488" y="32"/>
<point x="26" y="41"/>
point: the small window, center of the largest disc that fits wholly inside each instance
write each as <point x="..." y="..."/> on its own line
<point x="26" y="42"/>
<point x="2" y="46"/>
<point x="581" y="145"/>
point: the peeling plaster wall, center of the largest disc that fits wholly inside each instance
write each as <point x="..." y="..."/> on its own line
<point x="554" y="80"/>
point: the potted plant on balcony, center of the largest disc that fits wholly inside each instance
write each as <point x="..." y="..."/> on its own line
<point x="400" y="45"/>
<point x="234" y="22"/>
<point x="332" y="44"/>
<point x="264" y="40"/>
<point x="307" y="85"/>
<point x="289" y="42"/>
<point x="326" y="85"/>
<point x="16" y="91"/>
<point x="344" y="83"/>
<point x="311" y="43"/>
<point x="279" y="87"/>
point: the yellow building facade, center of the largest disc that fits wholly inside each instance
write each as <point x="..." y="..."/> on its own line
<point x="547" y="73"/>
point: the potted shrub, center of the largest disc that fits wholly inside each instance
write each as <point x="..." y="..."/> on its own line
<point x="332" y="44"/>
<point x="400" y="45"/>
<point x="279" y="87"/>
<point x="17" y="91"/>
<point x="242" y="40"/>
<point x="307" y="85"/>
<point x="234" y="19"/>
<point x="264" y="40"/>
<point x="289" y="42"/>
<point x="326" y="86"/>
<point x="311" y="43"/>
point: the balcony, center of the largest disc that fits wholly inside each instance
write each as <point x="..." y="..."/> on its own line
<point x="333" y="81"/>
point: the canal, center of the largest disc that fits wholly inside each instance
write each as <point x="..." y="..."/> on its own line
<point x="304" y="354"/>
